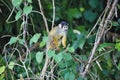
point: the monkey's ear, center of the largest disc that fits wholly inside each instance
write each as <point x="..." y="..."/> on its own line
<point x="59" y="25"/>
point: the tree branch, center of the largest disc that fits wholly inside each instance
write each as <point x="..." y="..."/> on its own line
<point x="46" y="25"/>
<point x="103" y="26"/>
<point x="44" y="18"/>
<point x="53" y="13"/>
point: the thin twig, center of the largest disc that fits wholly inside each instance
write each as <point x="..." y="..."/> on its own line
<point x="44" y="18"/>
<point x="10" y="16"/>
<point x="6" y="5"/>
<point x="53" y="13"/>
<point x="36" y="12"/>
<point x="102" y="55"/>
<point x="45" y="67"/>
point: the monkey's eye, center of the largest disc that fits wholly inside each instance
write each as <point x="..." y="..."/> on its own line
<point x="65" y="27"/>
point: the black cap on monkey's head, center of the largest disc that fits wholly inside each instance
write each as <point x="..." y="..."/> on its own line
<point x="64" y="23"/>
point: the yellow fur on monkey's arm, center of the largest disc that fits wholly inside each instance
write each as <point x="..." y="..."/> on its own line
<point x="64" y="41"/>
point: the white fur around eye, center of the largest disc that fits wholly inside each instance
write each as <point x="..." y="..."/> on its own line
<point x="65" y="27"/>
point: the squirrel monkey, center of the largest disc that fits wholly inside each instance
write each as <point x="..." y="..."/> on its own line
<point x="57" y="36"/>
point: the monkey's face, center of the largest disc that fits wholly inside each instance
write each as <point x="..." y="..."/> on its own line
<point x="63" y="26"/>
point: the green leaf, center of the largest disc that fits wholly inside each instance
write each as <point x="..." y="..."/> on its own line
<point x="93" y="3"/>
<point x="27" y="9"/>
<point x="21" y="41"/>
<point x="90" y="16"/>
<point x="109" y="62"/>
<point x="67" y="56"/>
<point x="117" y="41"/>
<point x="81" y="28"/>
<point x="114" y="23"/>
<point x="118" y="6"/>
<point x="118" y="66"/>
<point x="2" y="77"/>
<point x="42" y="44"/>
<point x="117" y="46"/>
<point x="82" y="9"/>
<point x="62" y="65"/>
<point x="69" y="76"/>
<point x="71" y="49"/>
<point x="45" y="39"/>
<point x="74" y="12"/>
<point x="2" y="69"/>
<point x="30" y="1"/>
<point x="83" y="57"/>
<point x="81" y="78"/>
<point x="51" y="53"/>
<point x="107" y="57"/>
<point x="13" y="40"/>
<point x="16" y="2"/>
<point x="66" y="77"/>
<point x="58" y="57"/>
<point x="80" y="41"/>
<point x="35" y="38"/>
<point x="39" y="57"/>
<point x="118" y="21"/>
<point x="18" y="15"/>
<point x="11" y="65"/>
<point x="104" y="45"/>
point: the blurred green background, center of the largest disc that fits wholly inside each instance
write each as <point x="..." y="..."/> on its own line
<point x="81" y="16"/>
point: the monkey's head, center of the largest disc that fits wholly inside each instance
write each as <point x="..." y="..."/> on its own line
<point x="63" y="26"/>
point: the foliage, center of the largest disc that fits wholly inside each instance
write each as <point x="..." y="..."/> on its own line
<point x="18" y="59"/>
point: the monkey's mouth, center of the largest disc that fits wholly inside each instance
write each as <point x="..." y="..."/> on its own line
<point x="66" y="29"/>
